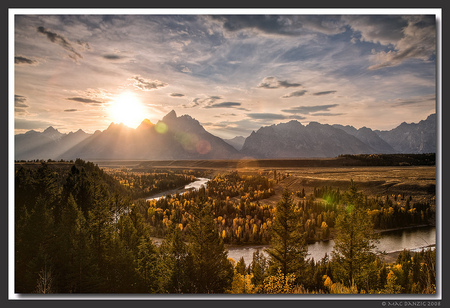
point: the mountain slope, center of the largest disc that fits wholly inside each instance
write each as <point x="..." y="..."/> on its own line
<point x="292" y="139"/>
<point x="412" y="138"/>
<point x="369" y="137"/>
<point x="172" y="138"/>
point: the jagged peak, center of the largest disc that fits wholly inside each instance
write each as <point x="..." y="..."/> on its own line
<point x="170" y="116"/>
<point x="50" y="129"/>
<point x="145" y="124"/>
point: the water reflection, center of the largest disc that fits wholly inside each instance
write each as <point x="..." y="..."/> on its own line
<point x="414" y="238"/>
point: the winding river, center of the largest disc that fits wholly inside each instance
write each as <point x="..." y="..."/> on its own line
<point x="390" y="241"/>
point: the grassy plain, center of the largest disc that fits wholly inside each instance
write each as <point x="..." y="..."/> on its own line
<point x="416" y="181"/>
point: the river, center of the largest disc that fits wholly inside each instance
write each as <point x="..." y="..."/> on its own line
<point x="390" y="241"/>
<point x="199" y="182"/>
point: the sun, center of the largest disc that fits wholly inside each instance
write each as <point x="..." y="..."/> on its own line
<point x="127" y="109"/>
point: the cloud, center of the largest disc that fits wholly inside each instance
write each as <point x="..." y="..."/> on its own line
<point x="23" y="60"/>
<point x="272" y="116"/>
<point x="324" y="114"/>
<point x="70" y="110"/>
<point x="19" y="101"/>
<point x="309" y="109"/>
<point x="64" y="43"/>
<point x="20" y="105"/>
<point x="85" y="100"/>
<point x="224" y="105"/>
<point x="113" y="57"/>
<point x="324" y="92"/>
<point x="147" y="85"/>
<point x="295" y="94"/>
<point x="176" y="94"/>
<point x="418" y="42"/>
<point x="285" y="25"/>
<point x="274" y="83"/>
<point x="417" y="100"/>
<point x="206" y="101"/>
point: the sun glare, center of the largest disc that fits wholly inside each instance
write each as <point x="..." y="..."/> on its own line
<point x="127" y="109"/>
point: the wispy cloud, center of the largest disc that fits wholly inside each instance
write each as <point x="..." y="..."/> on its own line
<point x="146" y="84"/>
<point x="23" y="60"/>
<point x="176" y="95"/>
<point x="309" y="109"/>
<point x="273" y="116"/>
<point x="325" y="114"/>
<point x="64" y="43"/>
<point x="85" y="100"/>
<point x="203" y="101"/>
<point x="418" y="41"/>
<point x="20" y="105"/>
<point x="273" y="83"/>
<point x="224" y="105"/>
<point x="324" y="93"/>
<point x="295" y="94"/>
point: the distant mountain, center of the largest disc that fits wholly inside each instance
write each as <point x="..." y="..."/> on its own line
<point x="292" y="139"/>
<point x="185" y="138"/>
<point x="172" y="138"/>
<point x="369" y="137"/>
<point x="412" y="138"/>
<point x="48" y="144"/>
<point x="236" y="142"/>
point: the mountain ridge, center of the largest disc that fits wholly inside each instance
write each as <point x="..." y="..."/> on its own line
<point x="183" y="137"/>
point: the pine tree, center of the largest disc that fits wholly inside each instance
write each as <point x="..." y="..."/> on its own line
<point x="212" y="272"/>
<point x="175" y="263"/>
<point x="353" y="254"/>
<point x="288" y="249"/>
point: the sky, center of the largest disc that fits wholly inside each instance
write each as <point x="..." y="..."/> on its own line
<point x="232" y="72"/>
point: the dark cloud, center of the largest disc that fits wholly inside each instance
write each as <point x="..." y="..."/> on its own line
<point x="274" y="83"/>
<point x="147" y="85"/>
<point x="324" y="92"/>
<point x="70" y="110"/>
<point x="295" y="94"/>
<point x="23" y="60"/>
<point x="309" y="109"/>
<point x="283" y="24"/>
<point x="324" y="114"/>
<point x="266" y="116"/>
<point x="224" y="105"/>
<point x="20" y="101"/>
<point x="85" y="100"/>
<point x="63" y="42"/>
<point x="273" y="116"/>
<point x="176" y="94"/>
<point x="113" y="57"/>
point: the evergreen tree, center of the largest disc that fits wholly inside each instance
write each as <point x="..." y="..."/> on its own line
<point x="212" y="272"/>
<point x="175" y="263"/>
<point x="353" y="255"/>
<point x="288" y="249"/>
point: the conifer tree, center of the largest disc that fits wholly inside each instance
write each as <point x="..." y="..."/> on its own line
<point x="288" y="249"/>
<point x="212" y="272"/>
<point x="353" y="254"/>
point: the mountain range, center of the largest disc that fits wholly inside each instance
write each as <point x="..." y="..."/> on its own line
<point x="183" y="137"/>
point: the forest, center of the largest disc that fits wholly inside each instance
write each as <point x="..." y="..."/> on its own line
<point x="79" y="229"/>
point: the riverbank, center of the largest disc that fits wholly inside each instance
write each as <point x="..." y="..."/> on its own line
<point x="392" y="256"/>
